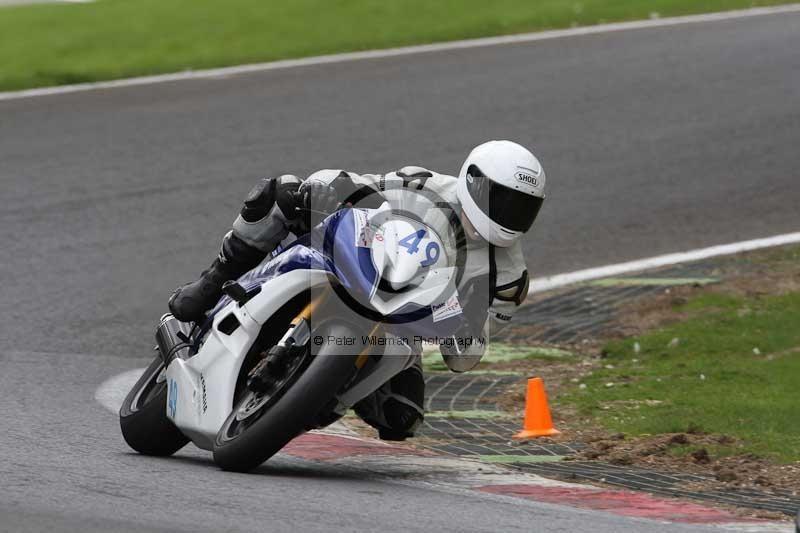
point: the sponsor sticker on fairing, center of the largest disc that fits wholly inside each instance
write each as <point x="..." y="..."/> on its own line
<point x="363" y="231"/>
<point x="447" y="309"/>
<point x="172" y="398"/>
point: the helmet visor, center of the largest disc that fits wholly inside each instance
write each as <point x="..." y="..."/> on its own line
<point x="510" y="208"/>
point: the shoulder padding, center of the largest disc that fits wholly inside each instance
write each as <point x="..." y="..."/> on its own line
<point x="414" y="172"/>
<point x="327" y="175"/>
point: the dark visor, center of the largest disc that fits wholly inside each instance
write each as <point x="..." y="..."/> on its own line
<point x="511" y="208"/>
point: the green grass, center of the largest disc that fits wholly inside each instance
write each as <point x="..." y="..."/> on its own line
<point x="712" y="380"/>
<point x="57" y="44"/>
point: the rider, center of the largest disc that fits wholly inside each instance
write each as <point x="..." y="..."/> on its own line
<point x="498" y="194"/>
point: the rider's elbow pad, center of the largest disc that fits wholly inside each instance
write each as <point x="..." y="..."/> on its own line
<point x="262" y="222"/>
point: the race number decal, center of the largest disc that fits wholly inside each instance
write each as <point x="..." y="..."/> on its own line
<point x="412" y="245"/>
<point x="363" y="232"/>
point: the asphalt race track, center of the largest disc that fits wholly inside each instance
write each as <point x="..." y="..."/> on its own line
<point x="654" y="141"/>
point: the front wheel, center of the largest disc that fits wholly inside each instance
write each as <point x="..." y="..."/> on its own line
<point x="143" y="415"/>
<point x="263" y="422"/>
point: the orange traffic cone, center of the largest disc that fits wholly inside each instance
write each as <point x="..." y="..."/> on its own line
<point x="537" y="414"/>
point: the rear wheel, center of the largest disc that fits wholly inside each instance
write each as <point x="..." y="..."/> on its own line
<point x="264" y="421"/>
<point x="143" y="415"/>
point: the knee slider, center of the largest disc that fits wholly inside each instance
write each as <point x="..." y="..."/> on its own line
<point x="410" y="384"/>
<point x="400" y="417"/>
<point x="403" y="409"/>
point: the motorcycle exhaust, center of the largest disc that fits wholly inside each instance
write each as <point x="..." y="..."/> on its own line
<point x="173" y="339"/>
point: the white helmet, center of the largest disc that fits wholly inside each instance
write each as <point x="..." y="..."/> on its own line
<point x="501" y="189"/>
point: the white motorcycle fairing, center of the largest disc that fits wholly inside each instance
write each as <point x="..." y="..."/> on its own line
<point x="201" y="388"/>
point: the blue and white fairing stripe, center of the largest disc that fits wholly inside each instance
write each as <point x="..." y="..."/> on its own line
<point x="316" y="250"/>
<point x="332" y="247"/>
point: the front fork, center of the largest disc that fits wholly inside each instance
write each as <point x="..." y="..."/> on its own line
<point x="372" y="372"/>
<point x="294" y="343"/>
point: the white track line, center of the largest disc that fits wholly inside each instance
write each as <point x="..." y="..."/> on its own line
<point x="561" y="280"/>
<point x="404" y="51"/>
<point x="112" y="391"/>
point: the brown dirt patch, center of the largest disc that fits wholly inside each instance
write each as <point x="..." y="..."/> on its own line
<point x="686" y="452"/>
<point x="752" y="275"/>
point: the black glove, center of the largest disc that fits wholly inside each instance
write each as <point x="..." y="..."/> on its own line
<point x="316" y="200"/>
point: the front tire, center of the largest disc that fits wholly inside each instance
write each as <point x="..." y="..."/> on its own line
<point x="143" y="415"/>
<point x="243" y="444"/>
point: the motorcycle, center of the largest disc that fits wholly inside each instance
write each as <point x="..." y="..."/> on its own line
<point x="297" y="341"/>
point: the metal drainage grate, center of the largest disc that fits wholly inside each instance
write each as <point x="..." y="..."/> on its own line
<point x="589" y="310"/>
<point x="486" y="437"/>
<point x="462" y="418"/>
<point x="465" y="392"/>
<point x="451" y="427"/>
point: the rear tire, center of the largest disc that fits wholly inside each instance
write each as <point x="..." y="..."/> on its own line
<point x="143" y="415"/>
<point x="296" y="409"/>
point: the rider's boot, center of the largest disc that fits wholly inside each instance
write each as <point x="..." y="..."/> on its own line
<point x="396" y="409"/>
<point x="190" y="302"/>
